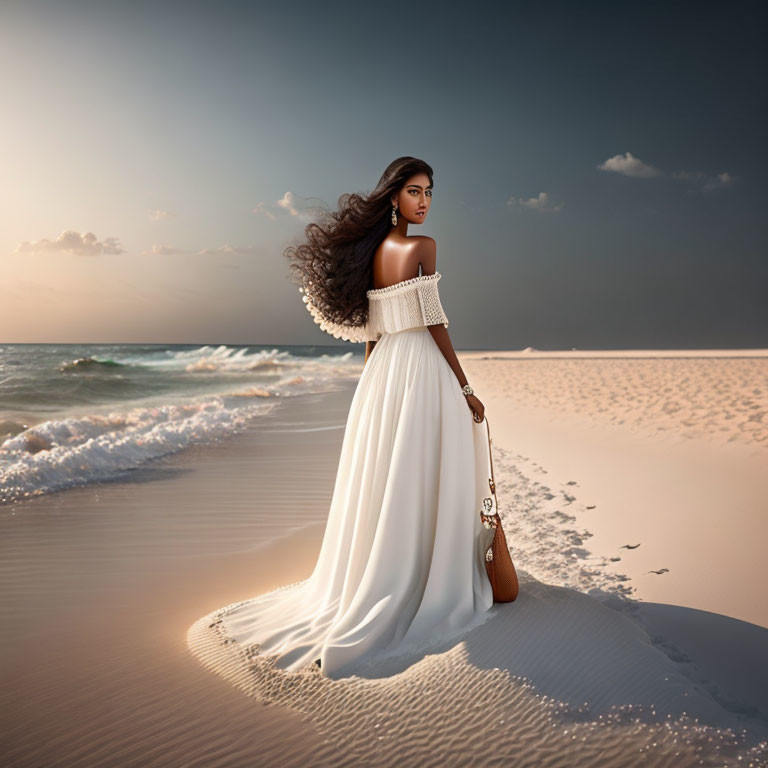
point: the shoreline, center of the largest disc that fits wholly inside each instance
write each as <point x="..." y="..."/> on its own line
<point x="101" y="582"/>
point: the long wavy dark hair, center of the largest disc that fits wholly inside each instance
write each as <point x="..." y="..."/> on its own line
<point x="335" y="264"/>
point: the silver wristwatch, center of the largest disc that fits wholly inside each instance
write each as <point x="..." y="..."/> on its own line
<point x="467" y="390"/>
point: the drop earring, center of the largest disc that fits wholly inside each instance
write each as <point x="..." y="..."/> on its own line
<point x="394" y="215"/>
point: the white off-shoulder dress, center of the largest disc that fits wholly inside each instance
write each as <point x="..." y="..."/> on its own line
<point x="401" y="564"/>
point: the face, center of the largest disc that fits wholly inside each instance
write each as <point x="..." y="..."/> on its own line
<point x="414" y="199"/>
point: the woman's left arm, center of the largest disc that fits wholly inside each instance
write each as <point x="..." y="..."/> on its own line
<point x="369" y="345"/>
<point x="443" y="340"/>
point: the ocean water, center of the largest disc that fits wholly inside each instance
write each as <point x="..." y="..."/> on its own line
<point x="73" y="414"/>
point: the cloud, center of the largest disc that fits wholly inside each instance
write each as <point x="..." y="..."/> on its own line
<point x="288" y="203"/>
<point x="262" y="208"/>
<point x="230" y="250"/>
<point x="540" y="203"/>
<point x="706" y="181"/>
<point x="222" y="250"/>
<point x="158" y="214"/>
<point x="629" y="165"/>
<point x="720" y="180"/>
<point x="292" y="205"/>
<point x="73" y="243"/>
<point x="164" y="250"/>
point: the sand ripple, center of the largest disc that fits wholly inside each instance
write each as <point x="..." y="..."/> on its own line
<point x="604" y="695"/>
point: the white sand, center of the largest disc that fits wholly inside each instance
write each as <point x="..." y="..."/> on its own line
<point x="669" y="454"/>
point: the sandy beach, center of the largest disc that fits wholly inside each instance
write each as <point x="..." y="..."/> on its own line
<point x="228" y="541"/>
<point x="669" y="452"/>
<point x="611" y="656"/>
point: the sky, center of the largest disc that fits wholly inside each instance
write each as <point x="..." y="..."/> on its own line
<point x="599" y="167"/>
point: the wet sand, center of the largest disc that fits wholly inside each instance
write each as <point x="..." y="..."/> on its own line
<point x="99" y="586"/>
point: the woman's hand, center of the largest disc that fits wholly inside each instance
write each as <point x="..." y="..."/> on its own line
<point x="477" y="408"/>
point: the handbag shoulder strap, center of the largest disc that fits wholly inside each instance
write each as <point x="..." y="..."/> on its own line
<point x="490" y="458"/>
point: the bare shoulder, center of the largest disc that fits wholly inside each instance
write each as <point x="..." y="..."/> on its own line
<point x="424" y="252"/>
<point x="423" y="243"/>
<point x="398" y="258"/>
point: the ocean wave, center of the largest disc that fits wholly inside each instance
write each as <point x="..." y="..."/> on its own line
<point x="68" y="419"/>
<point x="239" y="360"/>
<point x="89" y="364"/>
<point x="59" y="454"/>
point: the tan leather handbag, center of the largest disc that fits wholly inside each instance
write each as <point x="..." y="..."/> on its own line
<point x="498" y="561"/>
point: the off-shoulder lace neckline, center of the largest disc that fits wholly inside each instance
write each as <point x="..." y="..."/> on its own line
<point x="401" y="284"/>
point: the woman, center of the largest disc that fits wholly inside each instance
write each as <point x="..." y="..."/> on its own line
<point x="400" y="564"/>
